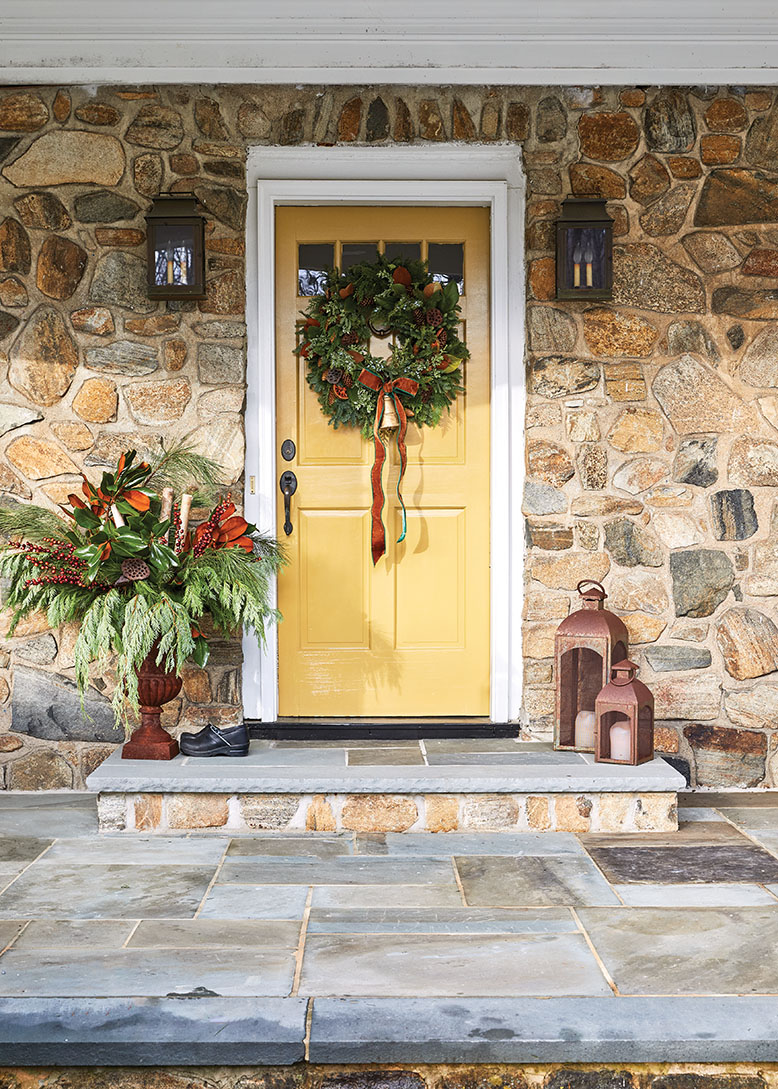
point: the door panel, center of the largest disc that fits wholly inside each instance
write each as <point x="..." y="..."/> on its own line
<point x="409" y="637"/>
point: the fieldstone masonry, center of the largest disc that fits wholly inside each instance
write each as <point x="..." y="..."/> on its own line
<point x="652" y="421"/>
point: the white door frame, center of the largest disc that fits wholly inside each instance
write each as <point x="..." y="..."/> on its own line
<point x="488" y="176"/>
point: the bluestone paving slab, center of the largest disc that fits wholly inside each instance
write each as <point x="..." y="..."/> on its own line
<point x="75" y="933"/>
<point x="760" y="799"/>
<point x="377" y="755"/>
<point x="270" y="758"/>
<point x="10" y="870"/>
<point x="137" y="851"/>
<point x="406" y="965"/>
<point x="686" y="865"/>
<point x="520" y="757"/>
<point x="532" y="882"/>
<point x="704" y="833"/>
<point x="199" y="933"/>
<point x="113" y="892"/>
<point x="750" y="818"/>
<point x="255" y="902"/>
<point x="386" y="896"/>
<point x="311" y="845"/>
<point x="688" y="813"/>
<point x="135" y="973"/>
<point x="681" y="896"/>
<point x="446" y="844"/>
<point x="336" y="871"/>
<point x="691" y="951"/>
<point x="526" y="1030"/>
<point x="42" y="815"/>
<point x="21" y="848"/>
<point x="9" y="930"/>
<point x="482" y="744"/>
<point x="152" y="1032"/>
<point x="441" y="921"/>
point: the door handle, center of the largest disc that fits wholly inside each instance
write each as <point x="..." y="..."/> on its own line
<point x="288" y="485"/>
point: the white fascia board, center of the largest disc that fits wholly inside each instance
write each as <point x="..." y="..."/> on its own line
<point x="366" y="41"/>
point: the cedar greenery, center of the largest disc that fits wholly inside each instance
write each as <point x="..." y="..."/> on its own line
<point x="135" y="582"/>
<point x="422" y="317"/>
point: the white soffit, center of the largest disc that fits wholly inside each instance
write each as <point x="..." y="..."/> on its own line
<point x="389" y="41"/>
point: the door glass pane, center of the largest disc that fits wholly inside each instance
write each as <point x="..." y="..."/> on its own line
<point x="312" y="261"/>
<point x="447" y="263"/>
<point x="403" y="251"/>
<point x="354" y="252"/>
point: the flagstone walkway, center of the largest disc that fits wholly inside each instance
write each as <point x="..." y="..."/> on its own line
<point x="345" y="947"/>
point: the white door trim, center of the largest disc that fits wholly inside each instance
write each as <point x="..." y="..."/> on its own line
<point x="487" y="176"/>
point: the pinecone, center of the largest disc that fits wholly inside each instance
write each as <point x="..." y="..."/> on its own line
<point x="418" y="315"/>
<point x="348" y="339"/>
<point x="135" y="570"/>
<point x="442" y="337"/>
<point x="331" y="397"/>
<point x="368" y="300"/>
<point x="434" y="316"/>
<point x="426" y="395"/>
<point x="348" y="381"/>
<point x="334" y="376"/>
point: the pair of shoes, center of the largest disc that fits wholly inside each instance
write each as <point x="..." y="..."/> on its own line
<point x="216" y="741"/>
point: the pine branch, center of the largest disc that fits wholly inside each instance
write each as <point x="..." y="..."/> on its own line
<point x="183" y="468"/>
<point x="30" y="523"/>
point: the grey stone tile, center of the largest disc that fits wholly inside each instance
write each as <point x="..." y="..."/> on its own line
<point x="558" y="1030"/>
<point x="152" y="1032"/>
<point x="768" y="840"/>
<point x="39" y="815"/>
<point x="8" y="931"/>
<point x="695" y="951"/>
<point x="10" y="870"/>
<point x="752" y="818"/>
<point x="445" y="844"/>
<point x="113" y="892"/>
<point x="255" y="902"/>
<point x="759" y="799"/>
<point x="207" y="933"/>
<point x="434" y="964"/>
<point x="309" y="845"/>
<point x="336" y="871"/>
<point x="688" y="813"/>
<point x="682" y="896"/>
<point x="273" y="758"/>
<point x="484" y="744"/>
<point x="441" y="921"/>
<point x="386" y="896"/>
<point x="133" y="972"/>
<point x="521" y="757"/>
<point x="21" y="848"/>
<point x="75" y="934"/>
<point x="137" y="850"/>
<point x="532" y="882"/>
<point x="379" y="755"/>
<point x="686" y="865"/>
<point x="702" y="833"/>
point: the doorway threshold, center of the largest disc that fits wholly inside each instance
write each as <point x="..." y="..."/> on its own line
<point x="378" y="729"/>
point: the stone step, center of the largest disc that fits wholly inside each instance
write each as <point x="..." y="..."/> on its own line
<point x="303" y="789"/>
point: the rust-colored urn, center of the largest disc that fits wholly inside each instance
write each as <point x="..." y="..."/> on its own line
<point x="156" y="686"/>
<point x="587" y="644"/>
<point x="624" y="719"/>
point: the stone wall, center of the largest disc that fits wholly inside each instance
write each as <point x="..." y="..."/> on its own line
<point x="652" y="426"/>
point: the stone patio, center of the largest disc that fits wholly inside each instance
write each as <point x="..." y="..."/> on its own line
<point x="433" y="785"/>
<point x="276" y="948"/>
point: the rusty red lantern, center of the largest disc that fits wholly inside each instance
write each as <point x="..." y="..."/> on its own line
<point x="624" y="719"/>
<point x="587" y="644"/>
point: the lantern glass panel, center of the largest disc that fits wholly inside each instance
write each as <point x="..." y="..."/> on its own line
<point x="585" y="267"/>
<point x="174" y="254"/>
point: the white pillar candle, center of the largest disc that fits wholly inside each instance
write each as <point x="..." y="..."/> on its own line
<point x="620" y="740"/>
<point x="584" y="729"/>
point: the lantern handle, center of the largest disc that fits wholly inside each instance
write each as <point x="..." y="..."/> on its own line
<point x="593" y="584"/>
<point x="623" y="667"/>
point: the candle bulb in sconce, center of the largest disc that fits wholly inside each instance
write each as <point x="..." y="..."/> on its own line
<point x="584" y="729"/>
<point x="170" y="272"/>
<point x="589" y="258"/>
<point x="577" y="254"/>
<point x="620" y="746"/>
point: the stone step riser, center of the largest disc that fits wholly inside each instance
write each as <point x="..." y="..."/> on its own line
<point x="503" y="812"/>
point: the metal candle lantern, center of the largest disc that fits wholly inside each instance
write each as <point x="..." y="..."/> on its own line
<point x="584" y="250"/>
<point x="176" y="249"/>
<point x="586" y="645"/>
<point x="624" y="713"/>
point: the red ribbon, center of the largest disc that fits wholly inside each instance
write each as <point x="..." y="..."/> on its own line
<point x="392" y="388"/>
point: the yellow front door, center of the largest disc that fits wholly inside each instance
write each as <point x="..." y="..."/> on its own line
<point x="410" y="636"/>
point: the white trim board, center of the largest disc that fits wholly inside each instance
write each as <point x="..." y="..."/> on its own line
<point x="368" y="41"/>
<point x="484" y="176"/>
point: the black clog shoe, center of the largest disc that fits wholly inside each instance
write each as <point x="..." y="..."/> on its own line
<point x="216" y="741"/>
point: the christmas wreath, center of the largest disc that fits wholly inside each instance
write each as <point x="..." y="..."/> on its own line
<point x="422" y="375"/>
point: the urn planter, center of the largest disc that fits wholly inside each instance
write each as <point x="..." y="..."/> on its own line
<point x="156" y="686"/>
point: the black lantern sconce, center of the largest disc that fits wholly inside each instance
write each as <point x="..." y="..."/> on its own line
<point x="584" y="250"/>
<point x="176" y="249"/>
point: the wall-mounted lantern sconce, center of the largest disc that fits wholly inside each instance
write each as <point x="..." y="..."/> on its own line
<point x="584" y="250"/>
<point x="176" y="249"/>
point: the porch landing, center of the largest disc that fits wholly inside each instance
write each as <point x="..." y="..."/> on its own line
<point x="491" y="785"/>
